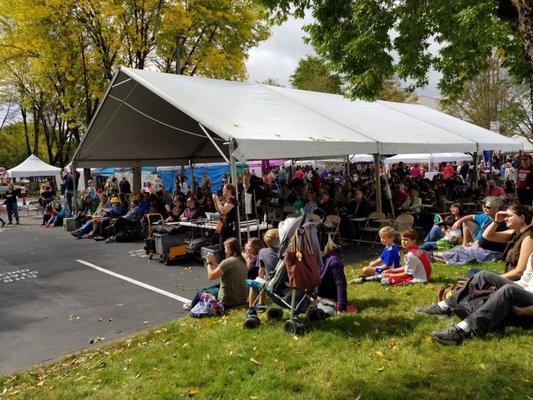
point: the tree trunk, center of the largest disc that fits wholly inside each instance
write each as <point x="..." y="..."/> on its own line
<point x="35" y="131"/>
<point x="525" y="27"/>
<point x="26" y="133"/>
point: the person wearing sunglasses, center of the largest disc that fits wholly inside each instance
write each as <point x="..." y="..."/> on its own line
<point x="473" y="225"/>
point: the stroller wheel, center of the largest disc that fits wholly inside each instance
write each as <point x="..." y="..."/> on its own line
<point x="251" y="322"/>
<point x="316" y="315"/>
<point x="294" y="327"/>
<point x="274" y="314"/>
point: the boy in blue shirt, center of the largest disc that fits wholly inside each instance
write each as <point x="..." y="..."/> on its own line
<point x="389" y="257"/>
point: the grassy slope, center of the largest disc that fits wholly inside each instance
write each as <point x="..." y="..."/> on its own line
<point x="383" y="352"/>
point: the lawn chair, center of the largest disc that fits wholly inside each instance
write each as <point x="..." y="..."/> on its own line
<point x="332" y="224"/>
<point x="403" y="222"/>
<point x="372" y="227"/>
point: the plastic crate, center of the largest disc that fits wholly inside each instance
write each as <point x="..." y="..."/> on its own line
<point x="164" y="241"/>
<point x="219" y="254"/>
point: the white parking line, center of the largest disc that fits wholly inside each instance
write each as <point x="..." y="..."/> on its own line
<point x="135" y="282"/>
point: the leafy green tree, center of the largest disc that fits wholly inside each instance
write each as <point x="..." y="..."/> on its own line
<point x="359" y="37"/>
<point x="313" y="74"/>
<point x="58" y="56"/>
<point x="492" y="96"/>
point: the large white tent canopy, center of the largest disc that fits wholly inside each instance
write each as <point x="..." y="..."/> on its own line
<point x="428" y="158"/>
<point x="152" y="118"/>
<point x="34" y="167"/>
<point x="528" y="146"/>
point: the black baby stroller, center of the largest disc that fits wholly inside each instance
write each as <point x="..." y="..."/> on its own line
<point x="295" y="279"/>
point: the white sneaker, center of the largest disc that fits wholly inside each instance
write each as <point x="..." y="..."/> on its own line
<point x="187" y="306"/>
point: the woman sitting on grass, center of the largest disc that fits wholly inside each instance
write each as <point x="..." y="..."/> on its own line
<point x="231" y="271"/>
<point x="439" y="230"/>
<point x="332" y="278"/>
<point x="417" y="267"/>
<point x="494" y="242"/>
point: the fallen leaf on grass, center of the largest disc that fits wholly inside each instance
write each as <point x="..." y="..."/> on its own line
<point x="137" y="376"/>
<point x="96" y="339"/>
<point x="40" y="383"/>
<point x="381" y="369"/>
<point x="192" y="392"/>
<point x="254" y="361"/>
<point x="254" y="397"/>
<point x="482" y="366"/>
<point x="185" y="344"/>
<point x="379" y="353"/>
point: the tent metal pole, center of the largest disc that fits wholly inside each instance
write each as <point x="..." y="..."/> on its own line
<point x="233" y="168"/>
<point x="476" y="169"/>
<point x="75" y="186"/>
<point x="191" y="170"/>
<point x="377" y="182"/>
<point x="347" y="167"/>
<point x="214" y="143"/>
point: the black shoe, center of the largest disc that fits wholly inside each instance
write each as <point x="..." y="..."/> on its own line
<point x="3" y="224"/>
<point x="110" y="239"/>
<point x="434" y="309"/>
<point x="10" y="223"/>
<point x="451" y="335"/>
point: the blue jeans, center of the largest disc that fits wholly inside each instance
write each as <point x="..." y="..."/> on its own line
<point x="85" y="228"/>
<point x="434" y="234"/>
<point x="429" y="246"/>
<point x="12" y="211"/>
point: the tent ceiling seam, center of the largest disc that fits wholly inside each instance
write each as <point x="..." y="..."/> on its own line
<point x="120" y="83"/>
<point x="429" y="123"/>
<point x="325" y="116"/>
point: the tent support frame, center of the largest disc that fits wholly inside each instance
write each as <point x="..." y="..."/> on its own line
<point x="377" y="182"/>
<point x="233" y="169"/>
<point x="214" y="143"/>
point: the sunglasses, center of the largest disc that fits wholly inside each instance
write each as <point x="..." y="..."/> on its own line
<point x="487" y="207"/>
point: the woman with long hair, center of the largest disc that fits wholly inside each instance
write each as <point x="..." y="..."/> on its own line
<point x="228" y="209"/>
<point x="510" y="302"/>
<point x="231" y="271"/>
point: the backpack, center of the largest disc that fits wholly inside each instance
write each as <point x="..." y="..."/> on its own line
<point x="448" y="291"/>
<point x="301" y="262"/>
<point x="208" y="306"/>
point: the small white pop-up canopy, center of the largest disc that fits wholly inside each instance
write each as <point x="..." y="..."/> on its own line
<point x="428" y="158"/>
<point x="152" y="118"/>
<point x="33" y="167"/>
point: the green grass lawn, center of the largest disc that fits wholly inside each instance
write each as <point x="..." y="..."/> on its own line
<point x="383" y="352"/>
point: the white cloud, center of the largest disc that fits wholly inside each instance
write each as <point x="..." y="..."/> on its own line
<point x="278" y="56"/>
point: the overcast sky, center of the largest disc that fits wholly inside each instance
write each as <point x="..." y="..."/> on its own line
<point x="278" y="56"/>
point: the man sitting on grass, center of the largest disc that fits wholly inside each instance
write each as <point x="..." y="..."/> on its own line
<point x="510" y="304"/>
<point x="389" y="257"/>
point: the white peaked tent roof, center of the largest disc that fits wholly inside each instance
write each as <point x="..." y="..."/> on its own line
<point x="152" y="118"/>
<point x="528" y="146"/>
<point x="428" y="157"/>
<point x="33" y="166"/>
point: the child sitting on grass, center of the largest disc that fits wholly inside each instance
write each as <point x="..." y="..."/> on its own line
<point x="389" y="257"/>
<point x="417" y="267"/>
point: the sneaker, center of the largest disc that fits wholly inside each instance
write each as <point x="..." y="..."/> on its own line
<point x="451" y="335"/>
<point x="10" y="223"/>
<point x="110" y="239"/>
<point x="187" y="306"/>
<point x="433" y="309"/>
<point x="3" y="224"/>
<point x="358" y="281"/>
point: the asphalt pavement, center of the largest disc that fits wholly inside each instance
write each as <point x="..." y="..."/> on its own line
<point x="57" y="293"/>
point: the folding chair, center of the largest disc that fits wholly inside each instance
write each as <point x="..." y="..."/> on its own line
<point x="403" y="222"/>
<point x="372" y="227"/>
<point x="332" y="224"/>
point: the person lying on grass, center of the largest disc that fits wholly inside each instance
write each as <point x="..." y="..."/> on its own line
<point x="389" y="257"/>
<point x="417" y="267"/>
<point x="511" y="303"/>
<point x="509" y="229"/>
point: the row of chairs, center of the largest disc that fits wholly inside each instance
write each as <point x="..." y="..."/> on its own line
<point x="377" y="220"/>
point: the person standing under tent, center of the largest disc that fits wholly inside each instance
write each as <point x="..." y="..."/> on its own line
<point x="228" y="209"/>
<point x="124" y="186"/>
